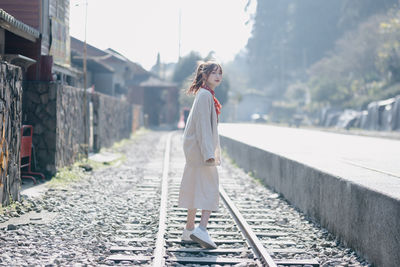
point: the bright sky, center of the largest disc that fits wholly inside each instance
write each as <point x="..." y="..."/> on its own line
<point x="139" y="29"/>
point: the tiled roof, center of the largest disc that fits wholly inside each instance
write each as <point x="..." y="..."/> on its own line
<point x="104" y="55"/>
<point x="156" y="82"/>
<point x="78" y="46"/>
<point x="18" y="24"/>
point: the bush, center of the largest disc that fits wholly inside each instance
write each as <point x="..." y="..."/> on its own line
<point x="364" y="63"/>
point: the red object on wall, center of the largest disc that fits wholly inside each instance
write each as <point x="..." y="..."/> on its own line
<point x="26" y="153"/>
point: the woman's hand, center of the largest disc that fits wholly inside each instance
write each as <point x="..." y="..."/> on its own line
<point x="210" y="160"/>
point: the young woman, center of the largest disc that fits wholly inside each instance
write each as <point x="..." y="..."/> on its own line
<point x="199" y="185"/>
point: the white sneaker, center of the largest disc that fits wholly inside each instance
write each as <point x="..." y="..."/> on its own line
<point x="186" y="235"/>
<point x="202" y="238"/>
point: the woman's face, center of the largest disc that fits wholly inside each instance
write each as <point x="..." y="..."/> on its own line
<point x="215" y="77"/>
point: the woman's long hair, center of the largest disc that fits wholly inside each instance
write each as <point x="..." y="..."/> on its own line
<point x="203" y="71"/>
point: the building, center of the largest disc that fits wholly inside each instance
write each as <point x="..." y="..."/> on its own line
<point x="111" y="73"/>
<point x="18" y="41"/>
<point x="107" y="70"/>
<point x="51" y="49"/>
<point x="159" y="98"/>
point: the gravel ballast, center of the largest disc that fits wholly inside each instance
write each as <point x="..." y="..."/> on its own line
<point x="76" y="224"/>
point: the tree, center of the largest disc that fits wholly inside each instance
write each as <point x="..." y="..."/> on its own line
<point x="221" y="92"/>
<point x="289" y="36"/>
<point x="186" y="67"/>
<point x="362" y="65"/>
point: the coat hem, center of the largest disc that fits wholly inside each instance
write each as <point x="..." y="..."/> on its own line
<point x="200" y="208"/>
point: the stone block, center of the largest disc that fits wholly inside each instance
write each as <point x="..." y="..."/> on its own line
<point x="44" y="98"/>
<point x="33" y="96"/>
<point x="51" y="108"/>
<point x="41" y="114"/>
<point x="38" y="129"/>
<point x="52" y="93"/>
<point x="10" y="110"/>
<point x="42" y="88"/>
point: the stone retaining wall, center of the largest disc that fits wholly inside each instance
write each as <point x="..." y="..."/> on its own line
<point x="137" y="118"/>
<point x="70" y="136"/>
<point x="56" y="113"/>
<point x="10" y="132"/>
<point x="112" y="120"/>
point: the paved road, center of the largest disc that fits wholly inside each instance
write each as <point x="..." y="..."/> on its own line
<point x="372" y="162"/>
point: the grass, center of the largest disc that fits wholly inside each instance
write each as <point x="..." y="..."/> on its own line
<point x="231" y="160"/>
<point x="13" y="206"/>
<point x="67" y="175"/>
<point x="117" y="145"/>
<point x="235" y="164"/>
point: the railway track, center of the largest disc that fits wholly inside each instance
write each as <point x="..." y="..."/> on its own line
<point x="243" y="231"/>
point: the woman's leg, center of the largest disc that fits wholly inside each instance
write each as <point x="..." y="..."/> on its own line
<point x="205" y="216"/>
<point x="191" y="215"/>
<point x="200" y="234"/>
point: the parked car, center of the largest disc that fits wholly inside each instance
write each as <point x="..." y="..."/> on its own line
<point x="259" y="118"/>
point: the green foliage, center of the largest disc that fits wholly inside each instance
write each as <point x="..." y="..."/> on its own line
<point x="185" y="100"/>
<point x="288" y="36"/>
<point x="67" y="175"/>
<point x="389" y="52"/>
<point x="325" y="90"/>
<point x="363" y="64"/>
<point x="298" y="93"/>
<point x="221" y="92"/>
<point x="282" y="111"/>
<point x="186" y="67"/>
<point x="14" y="206"/>
<point x="291" y="36"/>
<point x="238" y="74"/>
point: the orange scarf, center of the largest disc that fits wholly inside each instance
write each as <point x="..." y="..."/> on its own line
<point x="217" y="105"/>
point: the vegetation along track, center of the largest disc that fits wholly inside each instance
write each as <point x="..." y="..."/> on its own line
<point x="243" y="239"/>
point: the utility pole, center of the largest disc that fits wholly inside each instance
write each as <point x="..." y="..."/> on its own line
<point x="85" y="122"/>
<point x="179" y="32"/>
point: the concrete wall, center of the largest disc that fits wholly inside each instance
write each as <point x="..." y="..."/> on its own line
<point x="112" y="120"/>
<point x="363" y="219"/>
<point x="10" y="135"/>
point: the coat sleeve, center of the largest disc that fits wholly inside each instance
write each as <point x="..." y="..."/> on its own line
<point x="203" y="126"/>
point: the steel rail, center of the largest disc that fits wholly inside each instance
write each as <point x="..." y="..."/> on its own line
<point x="159" y="250"/>
<point x="257" y="246"/>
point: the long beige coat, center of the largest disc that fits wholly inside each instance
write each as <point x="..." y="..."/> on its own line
<point x="200" y="181"/>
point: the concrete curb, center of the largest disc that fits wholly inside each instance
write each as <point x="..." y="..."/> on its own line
<point x="363" y="219"/>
